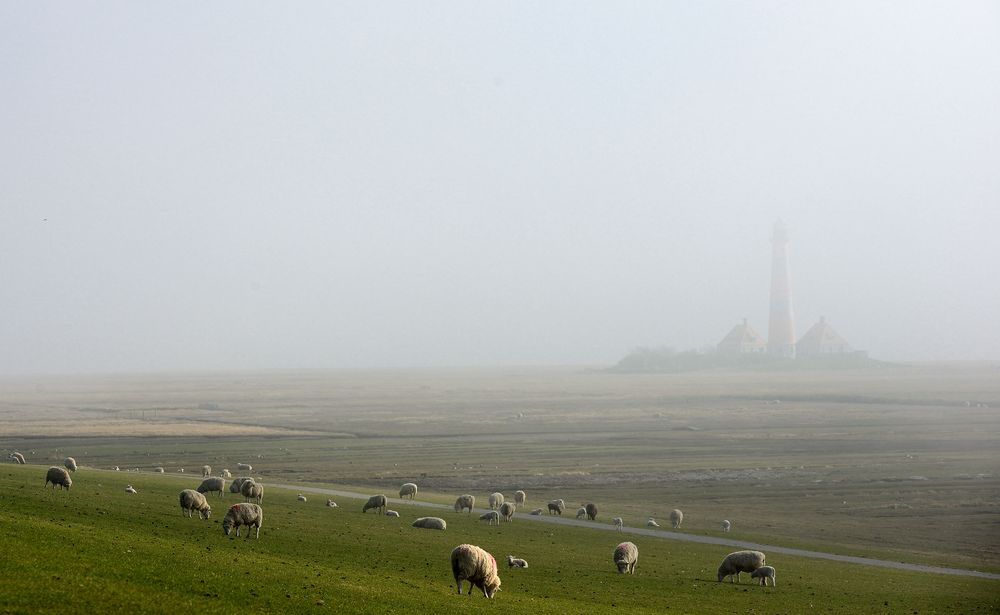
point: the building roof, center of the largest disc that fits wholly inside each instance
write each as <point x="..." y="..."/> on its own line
<point x="742" y="334"/>
<point x="822" y="334"/>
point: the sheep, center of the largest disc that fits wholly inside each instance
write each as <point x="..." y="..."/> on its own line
<point x="252" y="490"/>
<point x="479" y="568"/>
<point x="519" y="498"/>
<point x="331" y="504"/>
<point x="190" y="501"/>
<point x="17" y="457"/>
<point x="465" y="501"/>
<point x="226" y="473"/>
<point x="117" y="469"/>
<point x="492" y="516"/>
<point x="618" y="523"/>
<point x="70" y="464"/>
<point x="591" y="510"/>
<point x="206" y="471"/>
<point x="243" y="513"/>
<point x="431" y="523"/>
<point x="676" y="518"/>
<point x="299" y="497"/>
<point x="726" y="525"/>
<point x="158" y="470"/>
<point x="557" y="507"/>
<point x="507" y="511"/>
<point x="516" y="562"/>
<point x="377" y="502"/>
<point x="130" y="489"/>
<point x="536" y="512"/>
<point x="625" y="557"/>
<point x="581" y="512"/>
<point x="408" y="489"/>
<point x="244" y="467"/>
<point x="58" y="476"/>
<point x="236" y="486"/>
<point x="391" y="513"/>
<point x="764" y="573"/>
<point x="213" y="483"/>
<point x="496" y="499"/>
<point x="651" y="522"/>
<point x="740" y="561"/>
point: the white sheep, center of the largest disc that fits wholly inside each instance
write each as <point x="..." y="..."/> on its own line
<point x="516" y="562"/>
<point x="206" y="471"/>
<point x="465" y="501"/>
<point x="625" y="557"/>
<point x="58" y="476"/>
<point x="740" y="561"/>
<point x="619" y="522"/>
<point x="236" y="486"/>
<point x="243" y="513"/>
<point x="478" y="567"/>
<point x="300" y="498"/>
<point x="391" y="513"/>
<point x="431" y="523"/>
<point x="158" y="470"/>
<point x="507" y="511"/>
<point x="651" y="522"/>
<point x="130" y="489"/>
<point x="556" y="506"/>
<point x="226" y="473"/>
<point x="70" y="464"/>
<point x="191" y="500"/>
<point x="331" y="504"/>
<point x="726" y="525"/>
<point x="676" y="518"/>
<point x="536" y="512"/>
<point x="581" y="512"/>
<point x="378" y="502"/>
<point x="244" y="467"/>
<point x="492" y="516"/>
<point x="117" y="469"/>
<point x="252" y="490"/>
<point x="17" y="457"/>
<point x="408" y="489"/>
<point x="764" y="573"/>
<point x="496" y="499"/>
<point x="519" y="498"/>
<point x="212" y="484"/>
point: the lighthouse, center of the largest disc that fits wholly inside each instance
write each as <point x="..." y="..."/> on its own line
<point x="781" y="327"/>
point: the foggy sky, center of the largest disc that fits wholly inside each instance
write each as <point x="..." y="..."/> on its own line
<point x="254" y="185"/>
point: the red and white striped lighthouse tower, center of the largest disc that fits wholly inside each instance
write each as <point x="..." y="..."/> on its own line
<point x="781" y="328"/>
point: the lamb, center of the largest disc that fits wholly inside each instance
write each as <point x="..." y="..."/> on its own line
<point x="408" y="489"/>
<point x="378" y="502"/>
<point x="244" y="467"/>
<point x="211" y="484"/>
<point x="391" y="513"/>
<point x="496" y="499"/>
<point x="726" y="525"/>
<point x="479" y="568"/>
<point x="243" y="513"/>
<point x="17" y="457"/>
<point x="557" y="507"/>
<point x="465" y="501"/>
<point x="507" y="511"/>
<point x="191" y="500"/>
<point x="676" y="517"/>
<point x="519" y="498"/>
<point x="625" y="557"/>
<point x="130" y="489"/>
<point x="299" y="497"/>
<point x="581" y="512"/>
<point x="431" y="523"/>
<point x="591" y="510"/>
<point x="70" y="464"/>
<point x="764" y="573"/>
<point x="492" y="516"/>
<point x="618" y="523"/>
<point x="740" y="561"/>
<point x="252" y="490"/>
<point x="331" y="504"/>
<point x="206" y="471"/>
<point x="58" y="476"/>
<point x="516" y="562"/>
<point x="237" y="485"/>
<point x="536" y="512"/>
<point x="651" y="522"/>
<point x="226" y="473"/>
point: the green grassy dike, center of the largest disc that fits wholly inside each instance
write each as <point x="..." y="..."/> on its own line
<point x="96" y="549"/>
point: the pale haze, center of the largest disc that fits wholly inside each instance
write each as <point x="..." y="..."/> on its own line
<point x="234" y="185"/>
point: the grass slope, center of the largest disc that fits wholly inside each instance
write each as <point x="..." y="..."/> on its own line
<point x="96" y="549"/>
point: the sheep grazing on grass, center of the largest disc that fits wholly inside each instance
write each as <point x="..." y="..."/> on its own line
<point x="243" y="513"/>
<point x="70" y="464"/>
<point x="591" y="510"/>
<point x="158" y="470"/>
<point x="378" y="502"/>
<point x="764" y="573"/>
<point x="618" y="523"/>
<point x="507" y="511"/>
<point x="516" y="562"/>
<point x="492" y="516"/>
<point x="17" y="457"/>
<point x="465" y="501"/>
<point x="226" y="473"/>
<point x="206" y="471"/>
<point x="581" y="512"/>
<point x="536" y="512"/>
<point x="408" y="489"/>
<point x="213" y="484"/>
<point x="191" y="500"/>
<point x="676" y="518"/>
<point x="391" y="513"/>
<point x="130" y="489"/>
<point x="739" y="561"/>
<point x="117" y="469"/>
<point x="496" y="499"/>
<point x="331" y="504"/>
<point x="300" y="497"/>
<point x="236" y="486"/>
<point x="556" y="507"/>
<point x="625" y="557"/>
<point x="431" y="523"/>
<point x="519" y="498"/>
<point x="244" y="467"/>
<point x="252" y="491"/>
<point x="475" y="565"/>
<point x="651" y="522"/>
<point x="58" y="476"/>
<point x="726" y="525"/>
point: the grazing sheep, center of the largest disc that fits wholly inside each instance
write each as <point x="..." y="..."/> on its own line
<point x="764" y="573"/>
<point x="496" y="499"/>
<point x="591" y="510"/>
<point x="191" y="501"/>
<point x="536" y="512"/>
<point x="391" y="513"/>
<point x="557" y="507"/>
<point x="377" y="502"/>
<point x="300" y="497"/>
<point x="130" y="489"/>
<point x="431" y="523"/>
<point x="475" y="565"/>
<point x="465" y="501"/>
<point x="243" y="513"/>
<point x="676" y="518"/>
<point x="252" y="490"/>
<point x="158" y="470"/>
<point x="211" y="484"/>
<point x="226" y="473"/>
<point x="726" y="525"/>
<point x="618" y="523"/>
<point x="17" y="457"/>
<point x="58" y="476"/>
<point x="507" y="511"/>
<point x="519" y="498"/>
<point x="236" y="486"/>
<point x="740" y="561"/>
<point x="206" y="471"/>
<point x="244" y="467"/>
<point x="408" y="489"/>
<point x="331" y="504"/>
<point x="651" y="522"/>
<point x="625" y="557"/>
<point x="516" y="562"/>
<point x="581" y="512"/>
<point x="117" y="469"/>
<point x="492" y="516"/>
<point x="70" y="464"/>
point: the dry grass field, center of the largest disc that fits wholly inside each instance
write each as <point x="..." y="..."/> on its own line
<point x="899" y="462"/>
